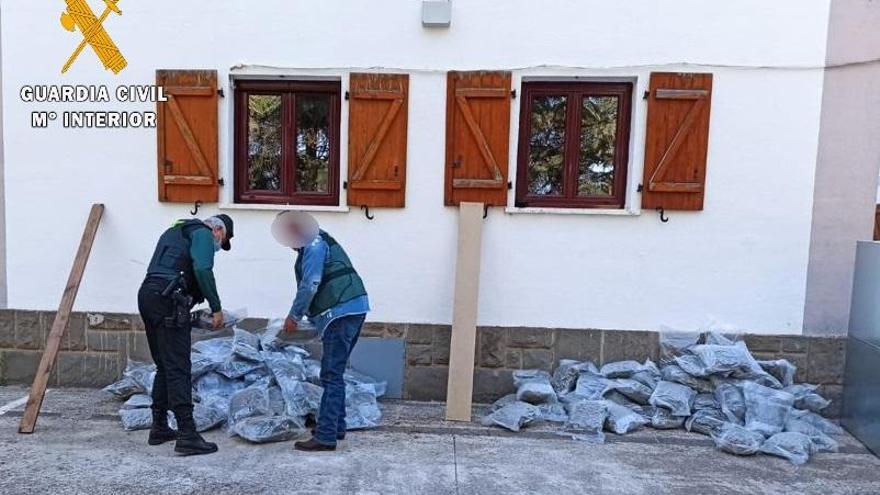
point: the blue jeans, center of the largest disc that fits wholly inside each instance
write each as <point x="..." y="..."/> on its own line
<point x="339" y="339"/>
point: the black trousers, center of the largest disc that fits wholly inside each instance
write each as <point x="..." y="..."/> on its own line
<point x="170" y="348"/>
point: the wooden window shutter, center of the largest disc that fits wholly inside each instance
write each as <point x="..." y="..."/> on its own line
<point x="477" y="137"/>
<point x="377" y="120"/>
<point x="677" y="141"/>
<point x="188" y="136"/>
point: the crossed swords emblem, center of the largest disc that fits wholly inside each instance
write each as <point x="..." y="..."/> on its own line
<point x="80" y="16"/>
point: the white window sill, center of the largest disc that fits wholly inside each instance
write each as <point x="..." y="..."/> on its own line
<point x="272" y="207"/>
<point x="572" y="211"/>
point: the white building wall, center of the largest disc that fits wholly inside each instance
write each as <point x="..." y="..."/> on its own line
<point x="742" y="260"/>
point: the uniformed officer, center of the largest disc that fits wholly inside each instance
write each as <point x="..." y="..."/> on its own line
<point x="180" y="275"/>
<point x="331" y="293"/>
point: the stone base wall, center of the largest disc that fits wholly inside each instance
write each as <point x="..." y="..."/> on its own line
<point x="97" y="345"/>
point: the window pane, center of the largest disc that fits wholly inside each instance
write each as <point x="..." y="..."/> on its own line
<point x="313" y="143"/>
<point x="547" y="145"/>
<point x="264" y="142"/>
<point x="598" y="136"/>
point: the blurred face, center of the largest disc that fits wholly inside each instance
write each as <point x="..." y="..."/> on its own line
<point x="219" y="234"/>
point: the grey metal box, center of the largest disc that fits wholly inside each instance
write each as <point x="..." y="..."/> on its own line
<point x="436" y="13"/>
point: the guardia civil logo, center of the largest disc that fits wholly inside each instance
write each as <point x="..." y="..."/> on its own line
<point x="80" y="17"/>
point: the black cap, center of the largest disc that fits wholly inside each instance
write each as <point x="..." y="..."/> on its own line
<point x="227" y="223"/>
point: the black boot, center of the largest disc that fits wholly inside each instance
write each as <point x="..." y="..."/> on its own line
<point x="160" y="432"/>
<point x="189" y="442"/>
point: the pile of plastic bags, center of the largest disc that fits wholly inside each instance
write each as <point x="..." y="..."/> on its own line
<point x="710" y="385"/>
<point x="256" y="385"/>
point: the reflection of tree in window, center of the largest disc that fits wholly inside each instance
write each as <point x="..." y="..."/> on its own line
<point x="597" y="141"/>
<point x="547" y="145"/>
<point x="264" y="142"/>
<point x="312" y="143"/>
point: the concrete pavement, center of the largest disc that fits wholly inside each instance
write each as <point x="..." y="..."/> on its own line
<point x="79" y="447"/>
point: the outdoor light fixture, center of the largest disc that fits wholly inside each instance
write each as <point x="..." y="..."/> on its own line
<point x="436" y="13"/>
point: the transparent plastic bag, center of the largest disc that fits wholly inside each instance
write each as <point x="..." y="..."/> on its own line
<point x="766" y="408"/>
<point x="252" y="401"/>
<point x="362" y="411"/>
<point x="498" y="404"/>
<point x="632" y="389"/>
<point x="523" y="376"/>
<point x="535" y="391"/>
<point x="216" y="350"/>
<point x="706" y="401"/>
<point x="824" y="425"/>
<point x="622" y="420"/>
<point x="301" y="398"/>
<point x="796" y="447"/>
<point x="821" y="441"/>
<point x="713" y="359"/>
<point x="142" y="373"/>
<point x="553" y="412"/>
<point x="678" y="398"/>
<point x="210" y="413"/>
<point x="675" y="373"/>
<point x="124" y="388"/>
<point x="138" y="401"/>
<point x="706" y="421"/>
<point x="586" y="420"/>
<point x="513" y="416"/>
<point x="738" y="440"/>
<point x="141" y="419"/>
<point x="212" y="383"/>
<point x="590" y="387"/>
<point x="806" y="397"/>
<point x="356" y="378"/>
<point x="733" y="405"/>
<point x="204" y="318"/>
<point x="781" y="369"/>
<point x="265" y="429"/>
<point x="620" y="369"/>
<point x="312" y="369"/>
<point x="236" y="367"/>
<point x="566" y="374"/>
<point x="673" y="343"/>
<point x="285" y="368"/>
<point x="662" y="419"/>
<point x="201" y="364"/>
<point x="246" y="345"/>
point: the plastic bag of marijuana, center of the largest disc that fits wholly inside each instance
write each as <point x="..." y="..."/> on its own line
<point x="216" y="350"/>
<point x="766" y="408"/>
<point x="142" y="373"/>
<point x="586" y="420"/>
<point x="589" y="387"/>
<point x="141" y="419"/>
<point x="706" y="401"/>
<point x="662" y="419"/>
<point x="204" y="318"/>
<point x="553" y="412"/>
<point x="781" y="369"/>
<point x="738" y="440"/>
<point x="732" y="403"/>
<point x="210" y="413"/>
<point x="138" y="401"/>
<point x="796" y="447"/>
<point x="806" y="397"/>
<point x="674" y="373"/>
<point x="678" y="398"/>
<point x="719" y="359"/>
<point x="246" y="345"/>
<point x="361" y="411"/>
<point x="824" y="425"/>
<point x="534" y="390"/>
<point x="301" y="398"/>
<point x="622" y="420"/>
<point x="356" y="378"/>
<point x="821" y="441"/>
<point x="212" y="383"/>
<point x="513" y="416"/>
<point x="124" y="388"/>
<point x="252" y="401"/>
<point x="634" y="390"/>
<point x="706" y="421"/>
<point x="566" y="375"/>
<point x="265" y="429"/>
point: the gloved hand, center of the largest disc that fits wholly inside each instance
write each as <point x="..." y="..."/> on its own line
<point x="290" y="325"/>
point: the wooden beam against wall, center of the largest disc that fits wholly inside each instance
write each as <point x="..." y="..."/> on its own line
<point x="59" y="326"/>
<point x="460" y="385"/>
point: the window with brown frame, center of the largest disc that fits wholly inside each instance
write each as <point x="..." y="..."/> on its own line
<point x="573" y="144"/>
<point x="287" y="142"/>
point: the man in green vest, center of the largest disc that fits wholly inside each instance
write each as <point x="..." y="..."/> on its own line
<point x="180" y="275"/>
<point x="332" y="295"/>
